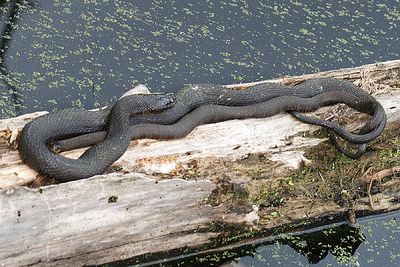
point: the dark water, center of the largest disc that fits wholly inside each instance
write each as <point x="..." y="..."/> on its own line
<point x="86" y="53"/>
<point x="63" y="53"/>
<point x="375" y="243"/>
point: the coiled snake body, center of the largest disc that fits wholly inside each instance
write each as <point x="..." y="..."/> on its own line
<point x="174" y="116"/>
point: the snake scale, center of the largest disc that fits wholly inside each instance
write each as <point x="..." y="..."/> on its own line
<point x="170" y="116"/>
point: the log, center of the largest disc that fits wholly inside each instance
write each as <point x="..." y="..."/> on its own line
<point x="186" y="194"/>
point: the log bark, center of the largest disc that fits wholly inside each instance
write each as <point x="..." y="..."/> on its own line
<point x="167" y="195"/>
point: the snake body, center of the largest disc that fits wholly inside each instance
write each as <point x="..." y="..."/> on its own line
<point x="70" y="122"/>
<point x="192" y="106"/>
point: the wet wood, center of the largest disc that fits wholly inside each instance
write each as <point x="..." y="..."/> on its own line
<point x="159" y="201"/>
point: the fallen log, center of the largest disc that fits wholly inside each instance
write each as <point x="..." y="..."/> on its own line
<point x="186" y="194"/>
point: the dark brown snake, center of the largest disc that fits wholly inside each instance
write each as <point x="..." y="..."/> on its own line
<point x="173" y="116"/>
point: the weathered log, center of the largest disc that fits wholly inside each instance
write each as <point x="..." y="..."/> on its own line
<point x="169" y="195"/>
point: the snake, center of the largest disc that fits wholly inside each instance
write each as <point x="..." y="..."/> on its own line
<point x="169" y="116"/>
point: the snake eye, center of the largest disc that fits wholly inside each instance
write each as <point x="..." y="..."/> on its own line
<point x="161" y="102"/>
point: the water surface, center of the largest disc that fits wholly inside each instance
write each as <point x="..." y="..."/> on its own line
<point x="85" y="53"/>
<point x="375" y="243"/>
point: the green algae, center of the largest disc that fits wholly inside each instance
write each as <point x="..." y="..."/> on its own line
<point x="86" y="53"/>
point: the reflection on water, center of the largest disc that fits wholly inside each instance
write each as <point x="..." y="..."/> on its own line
<point x="63" y="53"/>
<point x="374" y="243"/>
<point x="341" y="242"/>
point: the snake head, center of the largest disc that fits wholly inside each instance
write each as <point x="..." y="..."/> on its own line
<point x="159" y="102"/>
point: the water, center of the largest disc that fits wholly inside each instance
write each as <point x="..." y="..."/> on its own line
<point x="85" y="53"/>
<point x="375" y="243"/>
<point x="63" y="53"/>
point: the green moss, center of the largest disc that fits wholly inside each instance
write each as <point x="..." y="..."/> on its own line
<point x="333" y="173"/>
